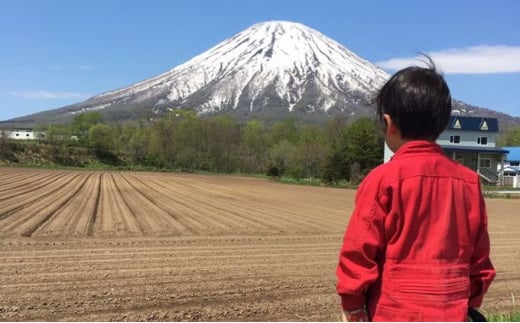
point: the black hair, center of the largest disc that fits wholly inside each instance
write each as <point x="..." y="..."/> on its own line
<point x="418" y="100"/>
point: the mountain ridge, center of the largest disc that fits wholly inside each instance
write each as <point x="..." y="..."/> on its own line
<point x="270" y="70"/>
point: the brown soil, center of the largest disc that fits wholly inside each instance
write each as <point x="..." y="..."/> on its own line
<point x="102" y="246"/>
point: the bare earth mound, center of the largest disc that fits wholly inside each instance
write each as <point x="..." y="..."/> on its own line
<point x="91" y="246"/>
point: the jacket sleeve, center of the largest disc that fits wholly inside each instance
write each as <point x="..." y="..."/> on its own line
<point x="482" y="272"/>
<point x="364" y="238"/>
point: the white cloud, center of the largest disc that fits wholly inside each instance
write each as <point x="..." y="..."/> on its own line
<point x="42" y="94"/>
<point x="469" y="60"/>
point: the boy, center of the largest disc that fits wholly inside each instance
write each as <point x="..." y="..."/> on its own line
<point x="416" y="247"/>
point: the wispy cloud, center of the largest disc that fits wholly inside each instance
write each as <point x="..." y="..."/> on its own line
<point x="470" y="60"/>
<point x="43" y="94"/>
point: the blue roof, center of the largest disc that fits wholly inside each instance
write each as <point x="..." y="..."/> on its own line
<point x="514" y="153"/>
<point x="502" y="150"/>
<point x="473" y="124"/>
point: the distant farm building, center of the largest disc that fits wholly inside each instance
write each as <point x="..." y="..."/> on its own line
<point x="511" y="170"/>
<point x="22" y="134"/>
<point x="472" y="142"/>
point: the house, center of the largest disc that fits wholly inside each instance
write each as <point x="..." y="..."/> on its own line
<point x="22" y="134"/>
<point x="511" y="170"/>
<point x="472" y="142"/>
<point x="513" y="156"/>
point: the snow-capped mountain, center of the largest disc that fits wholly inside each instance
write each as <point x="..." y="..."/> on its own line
<point x="271" y="66"/>
<point x="269" y="62"/>
<point x="270" y="70"/>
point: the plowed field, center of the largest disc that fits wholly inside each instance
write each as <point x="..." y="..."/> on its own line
<point x="91" y="246"/>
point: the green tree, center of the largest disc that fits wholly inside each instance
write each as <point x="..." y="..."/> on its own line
<point x="334" y="129"/>
<point x="510" y="138"/>
<point x="336" y="165"/>
<point x="312" y="150"/>
<point x="60" y="135"/>
<point x="222" y="137"/>
<point x="357" y="150"/>
<point x="253" y="147"/>
<point x="188" y="159"/>
<point x="102" y="140"/>
<point x="132" y="140"/>
<point x="284" y="130"/>
<point x="187" y="139"/>
<point x="100" y="137"/>
<point x="162" y="148"/>
<point x="283" y="160"/>
<point x="82" y="122"/>
<point x="365" y="145"/>
<point x="122" y="134"/>
<point x="189" y="130"/>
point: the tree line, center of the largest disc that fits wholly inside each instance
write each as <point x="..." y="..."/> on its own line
<point x="338" y="151"/>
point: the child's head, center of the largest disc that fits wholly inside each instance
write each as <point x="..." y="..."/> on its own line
<point x="418" y="102"/>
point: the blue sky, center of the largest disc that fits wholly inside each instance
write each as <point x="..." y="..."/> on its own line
<point x="58" y="52"/>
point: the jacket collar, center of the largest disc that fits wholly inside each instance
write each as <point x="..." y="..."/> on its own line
<point x="417" y="147"/>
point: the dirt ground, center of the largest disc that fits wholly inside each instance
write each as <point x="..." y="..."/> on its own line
<point x="125" y="246"/>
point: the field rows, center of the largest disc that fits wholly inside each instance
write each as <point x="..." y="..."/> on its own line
<point x="203" y="279"/>
<point x="123" y="246"/>
<point x="98" y="204"/>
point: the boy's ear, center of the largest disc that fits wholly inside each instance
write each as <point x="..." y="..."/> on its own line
<point x="391" y="128"/>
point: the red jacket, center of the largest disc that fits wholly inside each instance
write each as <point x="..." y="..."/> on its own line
<point x="416" y="247"/>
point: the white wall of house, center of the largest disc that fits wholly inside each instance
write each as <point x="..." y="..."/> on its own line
<point x="22" y="134"/>
<point x="467" y="138"/>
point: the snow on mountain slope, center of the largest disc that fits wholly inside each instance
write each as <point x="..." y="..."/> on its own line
<point x="271" y="70"/>
<point x="277" y="58"/>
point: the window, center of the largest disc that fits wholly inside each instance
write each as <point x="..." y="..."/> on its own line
<point x="27" y="135"/>
<point x="485" y="163"/>
<point x="514" y="163"/>
<point x="482" y="140"/>
<point x="455" y="139"/>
